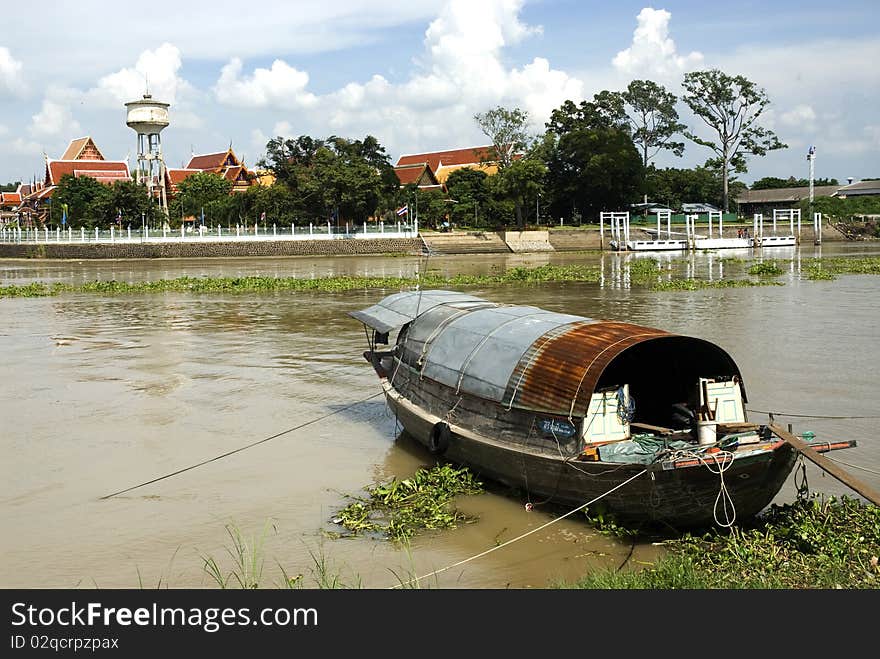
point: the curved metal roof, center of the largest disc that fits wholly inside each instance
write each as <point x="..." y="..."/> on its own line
<point x="529" y="358"/>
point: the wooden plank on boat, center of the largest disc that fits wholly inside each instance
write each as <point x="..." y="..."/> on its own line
<point x="647" y="426"/>
<point x="820" y="460"/>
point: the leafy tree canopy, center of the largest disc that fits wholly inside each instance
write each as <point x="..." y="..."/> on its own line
<point x="653" y="119"/>
<point x="730" y="107"/>
<point x="592" y="163"/>
<point x="774" y="183"/>
<point x="674" y="187"/>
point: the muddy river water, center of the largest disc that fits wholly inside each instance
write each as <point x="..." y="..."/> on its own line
<point x="100" y="393"/>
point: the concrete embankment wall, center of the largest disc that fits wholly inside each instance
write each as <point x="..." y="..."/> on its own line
<point x="213" y="249"/>
<point x="471" y="242"/>
<point x="474" y="242"/>
<point x="490" y="242"/>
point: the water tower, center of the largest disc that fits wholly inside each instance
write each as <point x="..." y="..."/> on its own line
<point x="147" y="118"/>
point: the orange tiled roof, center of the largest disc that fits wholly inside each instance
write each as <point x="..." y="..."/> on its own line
<point x="232" y="173"/>
<point x="436" y="159"/>
<point x="175" y="176"/>
<point x="416" y="173"/>
<point x="208" y="161"/>
<point x="10" y="198"/>
<point x="103" y="170"/>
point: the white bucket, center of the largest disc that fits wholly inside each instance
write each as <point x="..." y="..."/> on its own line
<point x="707" y="432"/>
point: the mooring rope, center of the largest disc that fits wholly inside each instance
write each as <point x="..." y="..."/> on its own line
<point x="242" y="448"/>
<point x="722" y="461"/>
<point x="870" y="471"/>
<point x="520" y="537"/>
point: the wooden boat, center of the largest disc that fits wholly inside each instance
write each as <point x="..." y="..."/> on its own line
<point x="639" y="422"/>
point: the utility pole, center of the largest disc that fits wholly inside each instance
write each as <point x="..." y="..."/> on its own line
<point x="811" y="156"/>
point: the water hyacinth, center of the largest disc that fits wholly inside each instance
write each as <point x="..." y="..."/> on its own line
<point x="397" y="509"/>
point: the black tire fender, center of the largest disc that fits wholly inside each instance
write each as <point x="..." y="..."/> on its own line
<point x="438" y="442"/>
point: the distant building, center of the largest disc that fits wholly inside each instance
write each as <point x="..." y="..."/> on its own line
<point x="698" y="208"/>
<point x="82" y="148"/>
<point x="764" y="201"/>
<point x="10" y="201"/>
<point x="443" y="163"/>
<point x="173" y="177"/>
<point x="82" y="157"/>
<point x="860" y="189"/>
<point x="419" y="174"/>
<point x="222" y="163"/>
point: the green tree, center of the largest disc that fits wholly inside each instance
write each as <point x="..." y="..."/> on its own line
<point x="674" y="187"/>
<point x="650" y="111"/>
<point x="204" y="191"/>
<point x="334" y="177"/>
<point x="774" y="183"/>
<point x="125" y="200"/>
<point x="730" y="106"/>
<point x="508" y="130"/>
<point x="523" y="182"/>
<point x="79" y="194"/>
<point x="469" y="193"/>
<point x="592" y="163"/>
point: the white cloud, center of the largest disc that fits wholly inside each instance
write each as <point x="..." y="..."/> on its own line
<point x="799" y="115"/>
<point x="53" y="119"/>
<point x="25" y="147"/>
<point x="11" y="79"/>
<point x="461" y="71"/>
<point x="282" y="129"/>
<point x="3" y="129"/>
<point x="156" y="70"/>
<point x="280" y="86"/>
<point x="653" y="52"/>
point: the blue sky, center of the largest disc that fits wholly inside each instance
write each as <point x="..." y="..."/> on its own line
<point x="414" y="73"/>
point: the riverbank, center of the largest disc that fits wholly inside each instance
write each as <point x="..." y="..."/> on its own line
<point x="549" y="240"/>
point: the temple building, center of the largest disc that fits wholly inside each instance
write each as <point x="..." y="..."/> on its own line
<point x="443" y="163"/>
<point x="82" y="157"/>
<point x="223" y="163"/>
<point x="419" y="174"/>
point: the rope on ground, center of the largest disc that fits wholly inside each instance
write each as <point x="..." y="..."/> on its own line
<point x="520" y="537"/>
<point x="811" y="416"/>
<point x="242" y="448"/>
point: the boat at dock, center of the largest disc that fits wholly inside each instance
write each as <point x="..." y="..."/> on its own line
<point x="645" y="424"/>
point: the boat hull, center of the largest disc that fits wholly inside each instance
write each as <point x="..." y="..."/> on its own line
<point x="678" y="496"/>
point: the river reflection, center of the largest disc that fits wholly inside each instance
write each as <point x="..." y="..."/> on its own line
<point x="98" y="394"/>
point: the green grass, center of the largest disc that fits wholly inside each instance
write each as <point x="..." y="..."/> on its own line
<point x="813" y="543"/>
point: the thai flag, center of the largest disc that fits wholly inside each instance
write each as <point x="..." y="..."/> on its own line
<point x="403" y="210"/>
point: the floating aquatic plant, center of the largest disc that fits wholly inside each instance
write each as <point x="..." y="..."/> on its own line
<point x="397" y="509"/>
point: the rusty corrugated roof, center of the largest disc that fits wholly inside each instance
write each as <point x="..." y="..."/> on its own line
<point x="560" y="371"/>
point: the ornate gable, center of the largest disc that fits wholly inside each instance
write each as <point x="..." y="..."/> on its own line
<point x="83" y="148"/>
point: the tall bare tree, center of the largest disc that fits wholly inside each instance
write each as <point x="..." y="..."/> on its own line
<point x="730" y="106"/>
<point x="508" y="130"/>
